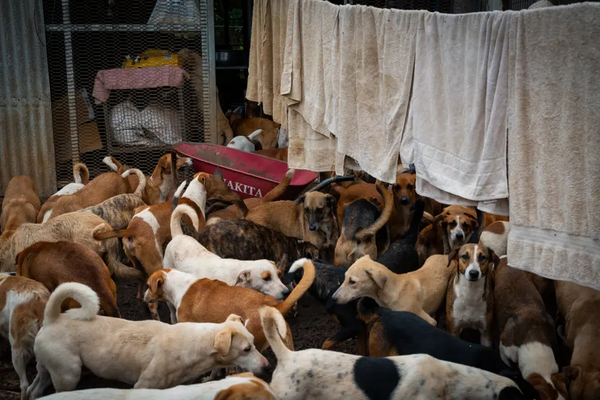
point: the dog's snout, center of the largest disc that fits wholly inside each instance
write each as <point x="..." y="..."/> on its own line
<point x="473" y="274"/>
<point x="313" y="227"/>
<point x="404" y="201"/>
<point x="460" y="236"/>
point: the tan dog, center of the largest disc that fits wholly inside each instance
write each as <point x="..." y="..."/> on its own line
<point x="207" y="300"/>
<point x="160" y="183"/>
<point x="421" y="291"/>
<point x="526" y="330"/>
<point x="22" y="303"/>
<point x="470" y="297"/>
<point x="20" y="205"/>
<point x="579" y="307"/>
<point x="78" y="227"/>
<point x="101" y="188"/>
<point x="405" y="195"/>
<point x="452" y="228"/>
<point x="246" y="126"/>
<point x="361" y="229"/>
<point x="355" y="192"/>
<point x="81" y="177"/>
<point x="58" y="262"/>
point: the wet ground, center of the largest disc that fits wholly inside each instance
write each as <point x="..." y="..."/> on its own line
<point x="310" y="328"/>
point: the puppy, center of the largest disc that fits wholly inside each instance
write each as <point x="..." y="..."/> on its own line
<point x="421" y="291"/>
<point x="579" y="307"/>
<point x="206" y="300"/>
<point x="22" y="303"/>
<point x="118" y="210"/>
<point x="526" y="330"/>
<point x="364" y="231"/>
<point x="235" y="387"/>
<point x="20" y="205"/>
<point x="403" y="333"/>
<point x="146" y="354"/>
<point x="58" y="262"/>
<point x="159" y="184"/>
<point x="245" y="143"/>
<point x="451" y="229"/>
<point x="101" y="188"/>
<point x="245" y="240"/>
<point x="75" y="227"/>
<point x="495" y="237"/>
<point x="185" y="254"/>
<point x="81" y="176"/>
<point x="320" y="374"/>
<point x="470" y="295"/>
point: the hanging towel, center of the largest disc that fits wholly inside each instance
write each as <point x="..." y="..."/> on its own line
<point x="456" y="133"/>
<point x="269" y="28"/>
<point x="554" y="143"/>
<point x="372" y="69"/>
<point x="309" y="149"/>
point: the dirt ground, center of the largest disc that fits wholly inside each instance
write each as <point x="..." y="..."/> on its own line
<point x="310" y="328"/>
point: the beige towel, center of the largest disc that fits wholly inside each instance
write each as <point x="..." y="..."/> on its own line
<point x="372" y="75"/>
<point x="308" y="149"/>
<point x="456" y="133"/>
<point x="269" y="28"/>
<point x="554" y="143"/>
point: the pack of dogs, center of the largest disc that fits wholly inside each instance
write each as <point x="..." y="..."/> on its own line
<point x="425" y="289"/>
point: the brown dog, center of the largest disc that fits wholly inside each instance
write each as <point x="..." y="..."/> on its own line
<point x="470" y="297"/>
<point x="354" y="192"/>
<point x="207" y="300"/>
<point x="58" y="262"/>
<point x="268" y="137"/>
<point x="421" y="291"/>
<point x="579" y="307"/>
<point x="405" y="195"/>
<point x="81" y="177"/>
<point x="280" y="154"/>
<point x="526" y="330"/>
<point x="20" y="205"/>
<point x="101" y="188"/>
<point x="159" y="184"/>
<point x="364" y="230"/>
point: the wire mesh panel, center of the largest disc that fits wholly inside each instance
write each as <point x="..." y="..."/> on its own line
<point x="128" y="79"/>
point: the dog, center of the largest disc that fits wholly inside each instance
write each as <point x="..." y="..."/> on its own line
<point x="579" y="307"/>
<point x="526" y="330"/>
<point x="451" y="229"/>
<point x="280" y="154"/>
<point x="20" y="205"/>
<point x="470" y="295"/>
<point x="246" y="126"/>
<point x="58" y="262"/>
<point x="118" y="210"/>
<point x="243" y="386"/>
<point x="355" y="191"/>
<point x="146" y="354"/>
<point x="78" y="227"/>
<point x="405" y="195"/>
<point x="364" y="230"/>
<point x="321" y="374"/>
<point x="402" y="333"/>
<point x="495" y="237"/>
<point x="245" y="143"/>
<point x="22" y="303"/>
<point x="81" y="177"/>
<point x="421" y="291"/>
<point x="160" y="183"/>
<point x="101" y="188"/>
<point x="245" y="240"/>
<point x="206" y="300"/>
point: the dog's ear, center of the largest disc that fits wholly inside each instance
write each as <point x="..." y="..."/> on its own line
<point x="223" y="342"/>
<point x="235" y="318"/>
<point x="244" y="277"/>
<point x="559" y="381"/>
<point x="338" y="188"/>
<point x="183" y="161"/>
<point x="331" y="202"/>
<point x="472" y="221"/>
<point x="452" y="256"/>
<point x="217" y="174"/>
<point x="377" y="276"/>
<point x="440" y="220"/>
<point x="300" y="200"/>
<point x="494" y="257"/>
<point x="156" y="280"/>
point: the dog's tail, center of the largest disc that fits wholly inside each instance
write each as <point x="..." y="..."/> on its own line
<point x="113" y="164"/>
<point x="142" y="180"/>
<point x="275" y="330"/>
<point x="101" y="232"/>
<point x="388" y="205"/>
<point x="280" y="189"/>
<point x="305" y="283"/>
<point x="84" y="295"/>
<point x="178" y="213"/>
<point x="81" y="173"/>
<point x="177" y="195"/>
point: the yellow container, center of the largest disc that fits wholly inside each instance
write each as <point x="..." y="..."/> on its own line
<point x="153" y="58"/>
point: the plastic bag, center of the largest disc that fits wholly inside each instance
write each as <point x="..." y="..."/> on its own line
<point x="175" y="12"/>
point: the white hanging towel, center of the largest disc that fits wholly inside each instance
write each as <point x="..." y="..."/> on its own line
<point x="456" y="131"/>
<point x="554" y="143"/>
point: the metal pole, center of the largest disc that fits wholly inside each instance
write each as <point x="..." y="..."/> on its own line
<point x="208" y="71"/>
<point x="70" y="84"/>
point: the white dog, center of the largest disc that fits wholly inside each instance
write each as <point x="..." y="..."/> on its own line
<point x="146" y="354"/>
<point x="244" y="143"/>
